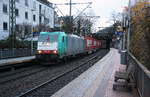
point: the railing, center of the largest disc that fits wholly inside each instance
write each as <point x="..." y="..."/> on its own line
<point x="16" y="52"/>
<point x="141" y="76"/>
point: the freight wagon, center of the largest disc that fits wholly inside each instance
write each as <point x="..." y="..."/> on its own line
<point x="91" y="44"/>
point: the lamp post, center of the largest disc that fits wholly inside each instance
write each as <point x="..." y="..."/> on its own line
<point x="32" y="10"/>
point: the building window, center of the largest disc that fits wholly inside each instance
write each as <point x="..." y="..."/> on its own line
<point x="26" y="15"/>
<point x="40" y="8"/>
<point x="17" y="1"/>
<point x="17" y="12"/>
<point x="34" y="5"/>
<point x="26" y="3"/>
<point x="40" y="19"/>
<point x="5" y="26"/>
<point x="4" y="8"/>
<point x="34" y="17"/>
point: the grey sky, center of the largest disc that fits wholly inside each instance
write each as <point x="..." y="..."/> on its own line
<point x="102" y="8"/>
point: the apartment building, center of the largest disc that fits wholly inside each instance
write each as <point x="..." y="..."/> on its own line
<point x="31" y="12"/>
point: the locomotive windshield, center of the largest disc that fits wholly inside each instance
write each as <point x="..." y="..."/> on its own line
<point x="48" y="38"/>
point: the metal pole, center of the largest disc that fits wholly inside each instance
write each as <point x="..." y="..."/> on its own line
<point x="123" y="40"/>
<point x="32" y="43"/>
<point x="12" y="23"/>
<point x="70" y="9"/>
<point x="70" y="13"/>
<point x="1" y="53"/>
<point x="129" y="29"/>
<point x="32" y="32"/>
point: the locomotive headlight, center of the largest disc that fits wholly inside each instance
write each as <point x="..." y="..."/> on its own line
<point x="39" y="51"/>
<point x="55" y="52"/>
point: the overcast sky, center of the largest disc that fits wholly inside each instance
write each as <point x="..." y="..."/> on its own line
<point x="102" y="8"/>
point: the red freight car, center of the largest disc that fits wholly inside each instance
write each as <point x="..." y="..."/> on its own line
<point x="91" y="44"/>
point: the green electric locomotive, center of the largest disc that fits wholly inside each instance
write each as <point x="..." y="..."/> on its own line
<point x="54" y="46"/>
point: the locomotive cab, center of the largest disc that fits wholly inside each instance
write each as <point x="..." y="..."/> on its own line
<point x="47" y="46"/>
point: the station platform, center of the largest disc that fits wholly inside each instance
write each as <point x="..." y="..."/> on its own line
<point x="4" y="62"/>
<point x="97" y="81"/>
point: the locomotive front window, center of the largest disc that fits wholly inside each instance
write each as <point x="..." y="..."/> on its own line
<point x="48" y="38"/>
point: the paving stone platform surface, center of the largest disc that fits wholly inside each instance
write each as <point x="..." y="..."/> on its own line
<point x="97" y="81"/>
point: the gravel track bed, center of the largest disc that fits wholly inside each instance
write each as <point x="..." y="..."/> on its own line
<point x="50" y="88"/>
<point x="16" y="87"/>
<point x="15" y="75"/>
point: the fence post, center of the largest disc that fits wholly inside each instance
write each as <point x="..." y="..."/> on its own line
<point x="1" y="53"/>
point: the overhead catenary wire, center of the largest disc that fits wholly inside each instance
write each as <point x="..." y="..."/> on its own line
<point x="72" y="3"/>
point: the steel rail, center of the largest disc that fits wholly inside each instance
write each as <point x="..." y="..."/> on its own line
<point x="13" y="76"/>
<point x="55" y="78"/>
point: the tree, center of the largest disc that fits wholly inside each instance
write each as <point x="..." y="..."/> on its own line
<point x="42" y="28"/>
<point x="83" y="25"/>
<point x="67" y="24"/>
<point x="23" y="31"/>
<point x="79" y="26"/>
<point x="140" y="36"/>
<point x="116" y="18"/>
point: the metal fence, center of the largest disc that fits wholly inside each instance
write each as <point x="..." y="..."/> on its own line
<point x="19" y="52"/>
<point x="141" y="76"/>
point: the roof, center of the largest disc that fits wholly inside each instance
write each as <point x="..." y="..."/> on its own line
<point x="46" y="2"/>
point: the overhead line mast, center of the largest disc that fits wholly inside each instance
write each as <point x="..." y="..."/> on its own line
<point x="12" y="22"/>
<point x="73" y="3"/>
<point x="70" y="10"/>
<point x="70" y="4"/>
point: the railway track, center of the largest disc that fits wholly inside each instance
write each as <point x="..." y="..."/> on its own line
<point x="30" y="92"/>
<point x="18" y="74"/>
<point x="22" y="84"/>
